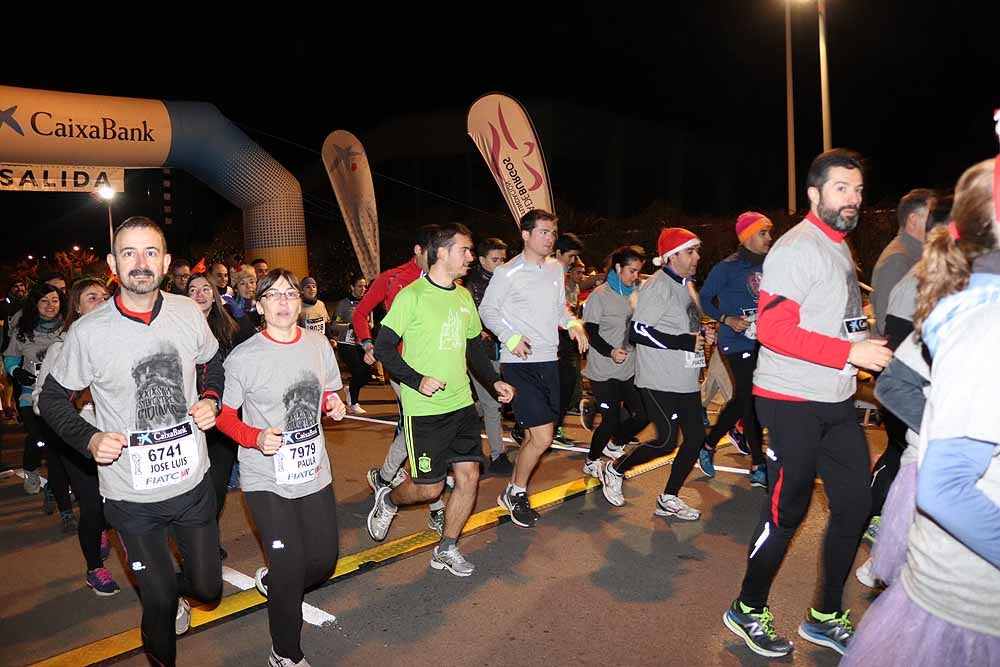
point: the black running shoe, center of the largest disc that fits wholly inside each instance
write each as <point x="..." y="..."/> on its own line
<point x="519" y="507"/>
<point x="833" y="632"/>
<point x="756" y="628"/>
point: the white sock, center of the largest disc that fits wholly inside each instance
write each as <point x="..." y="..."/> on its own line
<point x="515" y="489"/>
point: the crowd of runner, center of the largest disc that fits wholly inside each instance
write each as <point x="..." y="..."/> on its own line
<point x="150" y="398"/>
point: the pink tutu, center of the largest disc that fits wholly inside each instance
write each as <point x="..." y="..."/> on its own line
<point x="889" y="552"/>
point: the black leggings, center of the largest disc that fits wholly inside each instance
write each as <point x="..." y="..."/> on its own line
<point x="665" y="409"/>
<point x="361" y="373"/>
<point x="190" y="520"/>
<point x="609" y="395"/>
<point x="887" y="466"/>
<point x="300" y="542"/>
<point x="221" y="456"/>
<point x="83" y="477"/>
<point x="740" y="406"/>
<point x="809" y="438"/>
<point x="52" y="447"/>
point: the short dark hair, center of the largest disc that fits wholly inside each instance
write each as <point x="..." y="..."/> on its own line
<point x="941" y="211"/>
<point x="568" y="242"/>
<point x="46" y="276"/>
<point x="911" y="201"/>
<point x="273" y="276"/>
<point x="531" y="218"/>
<point x="258" y="260"/>
<point x="820" y="168"/>
<point x="625" y="255"/>
<point x="73" y="298"/>
<point x="484" y="247"/>
<point x="444" y="237"/>
<point x="138" y="222"/>
<point x="424" y="235"/>
<point x="178" y="263"/>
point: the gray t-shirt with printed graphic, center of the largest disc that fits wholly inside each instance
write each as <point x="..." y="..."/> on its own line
<point x="666" y="305"/>
<point x="143" y="380"/>
<point x="281" y="385"/>
<point x="612" y="313"/>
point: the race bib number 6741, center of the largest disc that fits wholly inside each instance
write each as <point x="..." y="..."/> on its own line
<point x="162" y="457"/>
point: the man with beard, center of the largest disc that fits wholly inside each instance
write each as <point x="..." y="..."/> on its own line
<point x="439" y="326"/>
<point x="735" y="283"/>
<point x="154" y="370"/>
<point x="813" y="338"/>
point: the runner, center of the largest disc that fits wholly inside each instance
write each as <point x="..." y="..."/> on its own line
<point x="438" y="325"/>
<point x="284" y="378"/>
<point x="347" y="343"/>
<point x="154" y="369"/>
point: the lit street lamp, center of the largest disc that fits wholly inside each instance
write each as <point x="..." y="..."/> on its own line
<point x="107" y="194"/>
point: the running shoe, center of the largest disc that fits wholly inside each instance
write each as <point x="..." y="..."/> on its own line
<point x="436" y="521"/>
<point x="105" y="545"/>
<point x="451" y="559"/>
<point x="829" y="630"/>
<point x="381" y="516"/>
<point x="705" y="456"/>
<point x="739" y="441"/>
<point x="871" y="533"/>
<point x="560" y="438"/>
<point x="758" y="477"/>
<point x="588" y="412"/>
<point x="32" y="482"/>
<point x="667" y="505"/>
<point x="866" y="575"/>
<point x="68" y="521"/>
<point x="276" y="660"/>
<point x="183" y="621"/>
<point x="356" y="409"/>
<point x="500" y="467"/>
<point x="612" y="488"/>
<point x="593" y="468"/>
<point x="375" y="481"/>
<point x="258" y="580"/>
<point x="615" y="451"/>
<point x="756" y="628"/>
<point x="102" y="582"/>
<point x="519" y="507"/>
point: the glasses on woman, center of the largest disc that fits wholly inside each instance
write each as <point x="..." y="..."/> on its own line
<point x="287" y="295"/>
<point x="204" y="289"/>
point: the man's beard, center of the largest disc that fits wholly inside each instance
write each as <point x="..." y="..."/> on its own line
<point x="138" y="288"/>
<point x="838" y="221"/>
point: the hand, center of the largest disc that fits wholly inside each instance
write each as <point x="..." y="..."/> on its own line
<point x="269" y="440"/>
<point x="737" y="323"/>
<point x="335" y="408"/>
<point x="619" y="355"/>
<point x="710" y="335"/>
<point x="203" y="412"/>
<point x="333" y="343"/>
<point x="523" y="348"/>
<point x="369" y="354"/>
<point x="871" y="354"/>
<point x="505" y="392"/>
<point x="429" y="385"/>
<point x="699" y="343"/>
<point x="580" y="336"/>
<point x="106" y="447"/>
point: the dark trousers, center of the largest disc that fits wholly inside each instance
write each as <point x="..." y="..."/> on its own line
<point x="221" y="456"/>
<point x="610" y="395"/>
<point x="52" y="448"/>
<point x="301" y="545"/>
<point x="740" y="406"/>
<point x="361" y="373"/>
<point x="82" y="474"/>
<point x="668" y="410"/>
<point x="885" y="469"/>
<point x="810" y="438"/>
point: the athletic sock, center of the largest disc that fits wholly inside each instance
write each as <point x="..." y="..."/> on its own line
<point x="446" y="543"/>
<point x="514" y="489"/>
<point x="437" y="505"/>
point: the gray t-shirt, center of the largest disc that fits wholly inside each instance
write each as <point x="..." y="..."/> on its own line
<point x="282" y="385"/>
<point x="666" y="305"/>
<point x="143" y="380"/>
<point x="941" y="574"/>
<point x="903" y="297"/>
<point x="612" y="313"/>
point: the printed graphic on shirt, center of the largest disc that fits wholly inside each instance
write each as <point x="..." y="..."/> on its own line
<point x="159" y="395"/>
<point x="694" y="317"/>
<point x="453" y="330"/>
<point x="852" y="307"/>
<point x="753" y="284"/>
<point x="302" y="402"/>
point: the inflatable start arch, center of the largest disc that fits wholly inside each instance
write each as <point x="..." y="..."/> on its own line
<point x="47" y="127"/>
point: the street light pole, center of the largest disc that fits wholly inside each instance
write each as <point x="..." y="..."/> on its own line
<point x="824" y="77"/>
<point x="789" y="108"/>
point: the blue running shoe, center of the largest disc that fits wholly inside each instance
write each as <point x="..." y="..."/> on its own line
<point x="705" y="462"/>
<point x="829" y="630"/>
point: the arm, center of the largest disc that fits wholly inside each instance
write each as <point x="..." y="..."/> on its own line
<point x="387" y="351"/>
<point x="710" y="292"/>
<point x="901" y="390"/>
<point x="778" y="329"/>
<point x="884" y="277"/>
<point x="480" y="365"/>
<point x="491" y="306"/>
<point x="947" y="492"/>
<point x="643" y="334"/>
<point x="896" y="329"/>
<point x="56" y="405"/>
<point x="596" y="342"/>
<point x="211" y="378"/>
<point x="229" y="422"/>
<point x="372" y="298"/>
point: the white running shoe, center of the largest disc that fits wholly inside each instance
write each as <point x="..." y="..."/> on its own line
<point x="866" y="575"/>
<point x="593" y="468"/>
<point x="258" y="581"/>
<point x="356" y="409"/>
<point x="613" y="450"/>
<point x="380" y="517"/>
<point x="276" y="660"/>
<point x="667" y="505"/>
<point x="452" y="560"/>
<point x="183" y="621"/>
<point x="612" y="485"/>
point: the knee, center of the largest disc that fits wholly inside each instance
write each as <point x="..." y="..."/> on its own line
<point x="207" y="587"/>
<point x="466" y="476"/>
<point x="428" y="491"/>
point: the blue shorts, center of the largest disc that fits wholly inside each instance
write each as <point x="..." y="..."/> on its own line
<point x="536" y="401"/>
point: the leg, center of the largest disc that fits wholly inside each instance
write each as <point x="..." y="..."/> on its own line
<point x="463" y="498"/>
<point x="630" y="427"/>
<point x="318" y="518"/>
<point x="221" y="456"/>
<point x="32" y="449"/>
<point x="657" y="407"/>
<point x="491" y="417"/>
<point x="148" y="556"/>
<point x="688" y="409"/>
<point x="733" y="410"/>
<point x="83" y="477"/>
<point x="608" y="396"/>
<point x="394" y="458"/>
<point x="843" y="466"/>
<point x="887" y="466"/>
<point x="360" y="372"/>
<point x="795" y="436"/>
<point x="537" y="439"/>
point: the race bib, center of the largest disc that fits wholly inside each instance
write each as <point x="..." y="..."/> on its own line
<point x="316" y="324"/>
<point x="162" y="457"/>
<point x="751" y="316"/>
<point x="694" y="359"/>
<point x="856" y="329"/>
<point x="297" y="462"/>
<point x="350" y="338"/>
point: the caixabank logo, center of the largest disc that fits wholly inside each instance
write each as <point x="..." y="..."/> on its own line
<point x="7" y="118"/>
<point x="106" y="128"/>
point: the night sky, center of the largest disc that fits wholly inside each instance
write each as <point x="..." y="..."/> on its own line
<point x="913" y="84"/>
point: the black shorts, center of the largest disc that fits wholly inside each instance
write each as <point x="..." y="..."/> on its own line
<point x="536" y="401"/>
<point x="433" y="442"/>
<point x="193" y="508"/>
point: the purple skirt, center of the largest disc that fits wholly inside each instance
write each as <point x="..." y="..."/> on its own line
<point x="889" y="552"/>
<point x="897" y="631"/>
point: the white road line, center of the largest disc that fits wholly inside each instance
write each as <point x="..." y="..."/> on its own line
<point x="738" y="471"/>
<point x="310" y="614"/>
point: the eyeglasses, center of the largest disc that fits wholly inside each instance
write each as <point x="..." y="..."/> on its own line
<point x="275" y="295"/>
